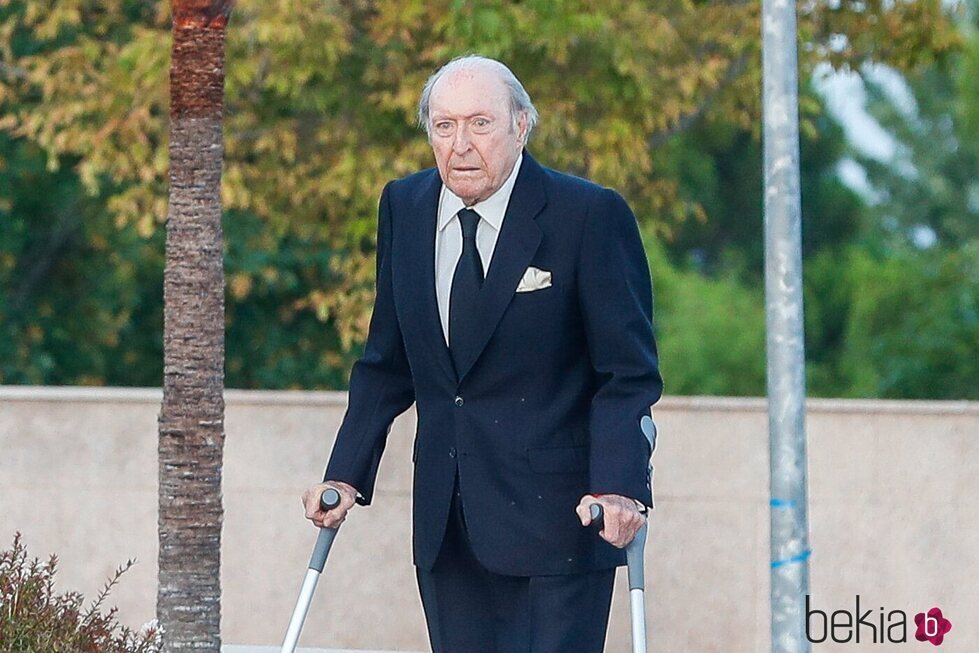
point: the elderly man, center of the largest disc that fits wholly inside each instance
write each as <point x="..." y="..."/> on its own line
<point x="514" y="309"/>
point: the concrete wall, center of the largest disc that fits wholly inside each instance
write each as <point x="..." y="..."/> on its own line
<point x="893" y="488"/>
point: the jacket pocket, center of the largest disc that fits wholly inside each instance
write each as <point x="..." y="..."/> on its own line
<point x="558" y="460"/>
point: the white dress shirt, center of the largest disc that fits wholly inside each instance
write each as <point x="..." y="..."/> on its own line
<point x="448" y="237"/>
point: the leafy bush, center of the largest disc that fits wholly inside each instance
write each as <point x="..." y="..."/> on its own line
<point x="710" y="331"/>
<point x="33" y="619"/>
<point x="903" y="324"/>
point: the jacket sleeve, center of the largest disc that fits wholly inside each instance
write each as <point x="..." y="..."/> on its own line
<point x="615" y="299"/>
<point x="381" y="385"/>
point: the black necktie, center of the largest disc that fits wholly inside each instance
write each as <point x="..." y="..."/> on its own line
<point x="466" y="282"/>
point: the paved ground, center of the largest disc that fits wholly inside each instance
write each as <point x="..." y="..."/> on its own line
<point x="228" y="648"/>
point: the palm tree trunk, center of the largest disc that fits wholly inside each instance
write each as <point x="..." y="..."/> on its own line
<point x="192" y="415"/>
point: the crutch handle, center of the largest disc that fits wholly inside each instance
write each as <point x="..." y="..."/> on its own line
<point x="634" y="560"/>
<point x="597" y="515"/>
<point x="329" y="500"/>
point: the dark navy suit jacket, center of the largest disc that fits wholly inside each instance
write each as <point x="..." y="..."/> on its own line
<point x="544" y="406"/>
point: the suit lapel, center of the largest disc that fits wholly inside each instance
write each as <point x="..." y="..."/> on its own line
<point x="421" y="272"/>
<point x="515" y="248"/>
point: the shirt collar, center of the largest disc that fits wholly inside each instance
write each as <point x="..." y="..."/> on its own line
<point x="492" y="209"/>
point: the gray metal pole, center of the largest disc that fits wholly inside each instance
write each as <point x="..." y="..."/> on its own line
<point x="783" y="309"/>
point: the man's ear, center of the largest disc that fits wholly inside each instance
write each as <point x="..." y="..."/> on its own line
<point x="522" y="123"/>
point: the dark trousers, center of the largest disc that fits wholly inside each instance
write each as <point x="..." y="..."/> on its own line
<point x="472" y="610"/>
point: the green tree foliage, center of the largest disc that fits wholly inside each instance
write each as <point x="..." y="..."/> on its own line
<point x="80" y="298"/>
<point x="896" y="312"/>
<point x="719" y="165"/>
<point x="967" y="90"/>
<point x="661" y="102"/>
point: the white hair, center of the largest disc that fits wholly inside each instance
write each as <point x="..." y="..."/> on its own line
<point x="519" y="99"/>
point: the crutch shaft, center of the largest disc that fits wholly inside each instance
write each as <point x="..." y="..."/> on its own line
<point x="302" y="609"/>
<point x="637" y="598"/>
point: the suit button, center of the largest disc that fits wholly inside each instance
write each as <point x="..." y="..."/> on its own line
<point x="459" y="402"/>
<point x="452" y="452"/>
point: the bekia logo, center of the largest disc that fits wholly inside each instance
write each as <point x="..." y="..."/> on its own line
<point x="873" y="626"/>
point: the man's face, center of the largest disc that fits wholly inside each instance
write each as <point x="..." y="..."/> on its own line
<point x="472" y="133"/>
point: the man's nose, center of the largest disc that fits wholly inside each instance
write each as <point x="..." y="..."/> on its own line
<point x="460" y="144"/>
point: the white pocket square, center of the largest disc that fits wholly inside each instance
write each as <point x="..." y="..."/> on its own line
<point x="534" y="279"/>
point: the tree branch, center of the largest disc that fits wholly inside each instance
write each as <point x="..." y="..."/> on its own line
<point x="38" y="261"/>
<point x="13" y="71"/>
<point x="685" y="121"/>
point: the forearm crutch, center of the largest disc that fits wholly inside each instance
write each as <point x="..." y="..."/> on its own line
<point x="328" y="500"/>
<point x="634" y="559"/>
